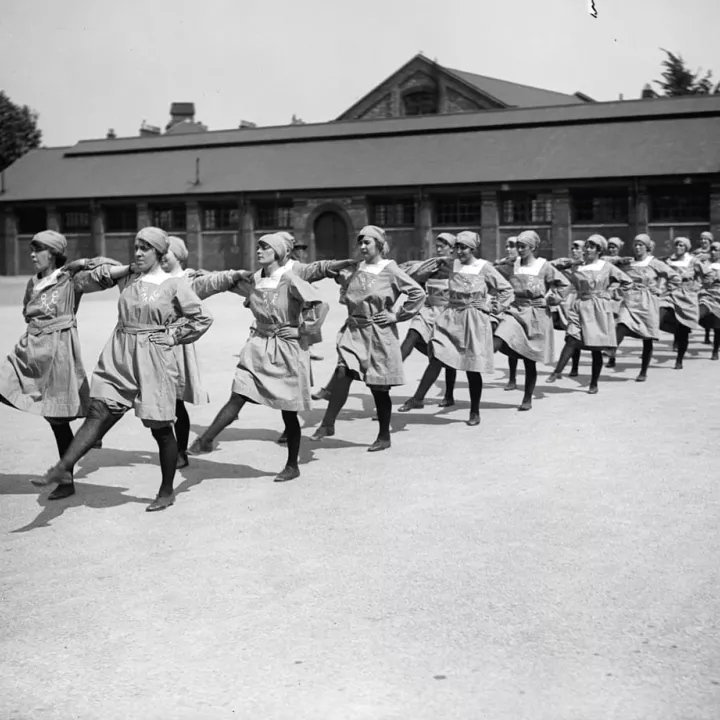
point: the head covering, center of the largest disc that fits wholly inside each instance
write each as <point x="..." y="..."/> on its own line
<point x="707" y="236"/>
<point x="51" y="239"/>
<point x="377" y="234"/>
<point x="530" y="238"/>
<point x="178" y="248"/>
<point x="288" y="238"/>
<point x="447" y="238"/>
<point x="616" y="241"/>
<point x="600" y="241"/>
<point x="581" y="243"/>
<point x="512" y="240"/>
<point x="155" y="237"/>
<point x="278" y="243"/>
<point x="685" y="242"/>
<point x="468" y="238"/>
<point x="646" y="240"/>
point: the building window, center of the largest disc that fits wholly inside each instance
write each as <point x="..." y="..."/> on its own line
<point x="31" y="220"/>
<point x="526" y="209"/>
<point x="220" y="217"/>
<point x="171" y="218"/>
<point x="680" y="204"/>
<point x="121" y="218"/>
<point x="421" y="102"/>
<point x="274" y="216"/>
<point x="393" y="212"/>
<point x="461" y="210"/>
<point x="600" y="209"/>
<point x="75" y="220"/>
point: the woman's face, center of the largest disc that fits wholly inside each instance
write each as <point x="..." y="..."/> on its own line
<point x="42" y="257"/>
<point x="265" y="254"/>
<point x="705" y="243"/>
<point x="170" y="263"/>
<point x="524" y="250"/>
<point x="146" y="257"/>
<point x="715" y="252"/>
<point x="640" y="250"/>
<point x="369" y="250"/>
<point x="511" y="249"/>
<point x="591" y="251"/>
<point x="679" y="249"/>
<point x="464" y="253"/>
<point x="442" y="249"/>
<point x="576" y="251"/>
<point x="613" y="250"/>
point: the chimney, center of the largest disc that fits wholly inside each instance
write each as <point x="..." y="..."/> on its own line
<point x="246" y="124"/>
<point x="148" y="130"/>
<point x="648" y="93"/>
<point x="111" y="134"/>
<point x="181" y="112"/>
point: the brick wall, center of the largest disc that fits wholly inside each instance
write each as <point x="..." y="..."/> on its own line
<point x="120" y="246"/>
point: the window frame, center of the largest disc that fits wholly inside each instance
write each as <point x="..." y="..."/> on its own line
<point x="281" y="213"/>
<point x="525" y="201"/>
<point x="603" y="207"/>
<point x="223" y="211"/>
<point x="462" y="216"/>
<point x="176" y="211"/>
<point x="384" y="211"/>
<point x="75" y="228"/>
<point x="28" y="211"/>
<point x="675" y="192"/>
<point x="109" y="209"/>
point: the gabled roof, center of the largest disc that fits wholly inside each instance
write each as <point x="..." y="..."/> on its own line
<point x="513" y="94"/>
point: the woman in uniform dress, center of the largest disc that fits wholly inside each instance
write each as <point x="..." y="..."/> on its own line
<point x="702" y="254"/>
<point x="274" y="364"/>
<point x="591" y="323"/>
<point x="368" y="345"/>
<point x="463" y="334"/>
<point x="639" y="313"/>
<point x="190" y="387"/>
<point x="679" y="309"/>
<point x="709" y="296"/>
<point x="526" y="330"/>
<point x="432" y="275"/>
<point x="138" y="366"/>
<point x="44" y="374"/>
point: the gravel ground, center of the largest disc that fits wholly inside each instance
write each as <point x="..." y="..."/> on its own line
<point x="559" y="564"/>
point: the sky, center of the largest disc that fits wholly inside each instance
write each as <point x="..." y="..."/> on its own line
<point x="89" y="65"/>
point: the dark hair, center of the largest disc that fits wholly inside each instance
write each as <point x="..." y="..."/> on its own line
<point x="60" y="259"/>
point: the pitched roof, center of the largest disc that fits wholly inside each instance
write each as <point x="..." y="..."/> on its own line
<point x="613" y="140"/>
<point x="513" y="94"/>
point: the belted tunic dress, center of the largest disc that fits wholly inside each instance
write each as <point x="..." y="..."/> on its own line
<point x="709" y="296"/>
<point x="681" y="301"/>
<point x="132" y="370"/>
<point x="44" y="374"/>
<point x="432" y="275"/>
<point x="527" y="327"/>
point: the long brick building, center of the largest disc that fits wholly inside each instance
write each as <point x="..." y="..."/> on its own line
<point x="427" y="150"/>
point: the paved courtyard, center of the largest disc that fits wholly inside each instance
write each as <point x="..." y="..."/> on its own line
<point x="560" y="564"/>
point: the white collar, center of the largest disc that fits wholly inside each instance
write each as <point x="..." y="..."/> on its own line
<point x="375" y="268"/>
<point x="533" y="268"/>
<point x="642" y="263"/>
<point x="47" y="281"/>
<point x="597" y="265"/>
<point x="473" y="268"/>
<point x="156" y="278"/>
<point x="273" y="280"/>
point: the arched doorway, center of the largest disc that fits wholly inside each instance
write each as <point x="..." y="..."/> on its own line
<point x="331" y="236"/>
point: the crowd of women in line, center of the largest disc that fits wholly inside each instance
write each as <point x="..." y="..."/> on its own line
<point x="462" y="311"/>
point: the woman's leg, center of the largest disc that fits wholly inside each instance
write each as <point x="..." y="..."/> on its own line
<point x="647" y="352"/>
<point x="512" y="372"/>
<point x="575" y="367"/>
<point x="450" y="377"/>
<point x="431" y="374"/>
<point x="293" y="435"/>
<point x="99" y="420"/>
<point x="383" y="405"/>
<point x="682" y="340"/>
<point x="597" y="364"/>
<point x="409" y="343"/>
<point x="168" y="452"/>
<point x="620" y="334"/>
<point x="340" y="383"/>
<point x="707" y="336"/>
<point x="565" y="355"/>
<point x="182" y="432"/>
<point x="228" y="414"/>
<point x="475" y="383"/>
<point x="63" y="438"/>
<point x="325" y="392"/>
<point x="530" y="382"/>
<point x="716" y="344"/>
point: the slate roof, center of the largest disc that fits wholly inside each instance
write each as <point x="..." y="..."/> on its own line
<point x="599" y="140"/>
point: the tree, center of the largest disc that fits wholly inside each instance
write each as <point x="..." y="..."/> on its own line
<point x="18" y="131"/>
<point x="678" y="79"/>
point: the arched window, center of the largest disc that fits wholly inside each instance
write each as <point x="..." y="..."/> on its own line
<point x="421" y="102"/>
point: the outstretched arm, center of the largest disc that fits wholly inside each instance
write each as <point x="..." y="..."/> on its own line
<point x="206" y="284"/>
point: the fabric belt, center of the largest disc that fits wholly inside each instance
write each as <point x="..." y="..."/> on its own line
<point x="591" y="296"/>
<point x="140" y="328"/>
<point x="270" y="330"/>
<point x="359" y="321"/>
<point x="530" y="302"/>
<point x="436" y="301"/>
<point x="475" y="305"/>
<point x="49" y="326"/>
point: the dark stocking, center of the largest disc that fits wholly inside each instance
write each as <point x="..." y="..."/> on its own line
<point x="96" y="425"/>
<point x="682" y="339"/>
<point x="647" y="353"/>
<point x="597" y="363"/>
<point x="293" y="434"/>
<point x="63" y="437"/>
<point x="431" y="374"/>
<point x="168" y="451"/>
<point x="340" y="385"/>
<point x="182" y="426"/>
<point x="227" y="415"/>
<point x="565" y="355"/>
<point x="409" y="343"/>
<point x="620" y="333"/>
<point x="450" y="376"/>
<point x="707" y="336"/>
<point x="575" y="367"/>
<point x="512" y="369"/>
<point x="476" y="387"/>
<point x="530" y="381"/>
<point x="383" y="405"/>
<point x="716" y="341"/>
